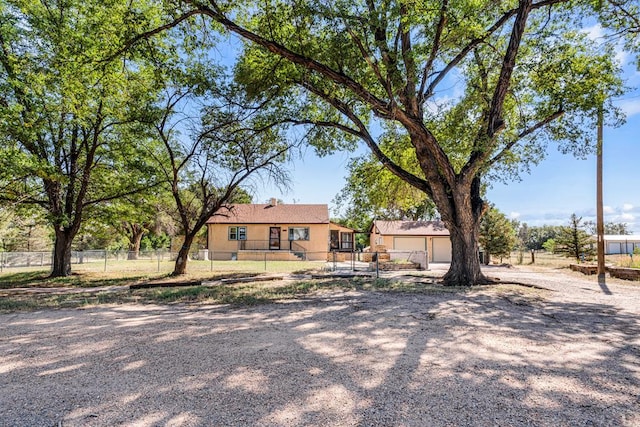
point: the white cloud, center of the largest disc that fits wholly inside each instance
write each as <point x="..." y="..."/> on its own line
<point x="627" y="207"/>
<point x="514" y="215"/>
<point x="594" y="32"/>
<point x="629" y="107"/>
<point x="627" y="217"/>
<point x="622" y="56"/>
<point x="608" y="209"/>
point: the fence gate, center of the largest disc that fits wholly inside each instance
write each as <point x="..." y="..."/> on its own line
<point x="350" y="261"/>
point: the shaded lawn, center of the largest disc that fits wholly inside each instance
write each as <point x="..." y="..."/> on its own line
<point x="248" y="293"/>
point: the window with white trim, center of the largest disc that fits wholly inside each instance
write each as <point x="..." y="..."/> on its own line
<point x="237" y="233"/>
<point x="298" y="233"/>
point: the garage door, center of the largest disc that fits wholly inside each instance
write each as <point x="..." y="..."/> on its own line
<point x="441" y="249"/>
<point x="410" y="243"/>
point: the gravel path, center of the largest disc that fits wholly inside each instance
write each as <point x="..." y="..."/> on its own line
<point x="565" y="357"/>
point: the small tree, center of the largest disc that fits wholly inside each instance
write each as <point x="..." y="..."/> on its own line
<point x="497" y="235"/>
<point x="215" y="142"/>
<point x="550" y="246"/>
<point x="574" y="241"/>
<point x="372" y="191"/>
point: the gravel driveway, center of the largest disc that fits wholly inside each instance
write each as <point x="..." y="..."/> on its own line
<point x="493" y="357"/>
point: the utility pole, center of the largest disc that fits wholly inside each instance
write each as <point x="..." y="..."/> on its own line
<point x="599" y="208"/>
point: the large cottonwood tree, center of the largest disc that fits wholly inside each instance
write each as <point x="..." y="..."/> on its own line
<point x="477" y="86"/>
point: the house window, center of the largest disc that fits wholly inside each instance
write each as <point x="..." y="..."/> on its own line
<point x="237" y="233"/>
<point x="346" y="240"/>
<point x="298" y="233"/>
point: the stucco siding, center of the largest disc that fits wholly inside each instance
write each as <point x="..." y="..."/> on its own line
<point x="257" y="238"/>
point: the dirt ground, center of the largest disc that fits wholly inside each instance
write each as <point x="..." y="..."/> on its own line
<point x="500" y="356"/>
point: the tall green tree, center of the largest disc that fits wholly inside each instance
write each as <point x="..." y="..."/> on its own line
<point x="574" y="241"/>
<point x="64" y="111"/>
<point x="497" y="235"/>
<point x="524" y="76"/>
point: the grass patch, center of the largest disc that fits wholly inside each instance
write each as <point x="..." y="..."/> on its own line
<point x="626" y="261"/>
<point x="238" y="294"/>
<point x="22" y="279"/>
<point x="41" y="279"/>
<point x="151" y="267"/>
<point x="23" y="302"/>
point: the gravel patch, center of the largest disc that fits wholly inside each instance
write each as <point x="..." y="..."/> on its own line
<point x="495" y="356"/>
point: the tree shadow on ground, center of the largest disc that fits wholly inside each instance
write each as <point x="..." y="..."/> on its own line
<point x="356" y="358"/>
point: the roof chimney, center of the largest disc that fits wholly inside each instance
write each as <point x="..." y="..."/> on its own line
<point x="273" y="202"/>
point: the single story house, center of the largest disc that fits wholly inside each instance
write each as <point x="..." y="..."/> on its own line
<point x="620" y="243"/>
<point x="430" y="236"/>
<point x="276" y="231"/>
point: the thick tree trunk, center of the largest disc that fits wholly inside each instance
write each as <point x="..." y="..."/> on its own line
<point x="465" y="259"/>
<point x="62" y="254"/>
<point x="462" y="208"/>
<point x="137" y="232"/>
<point x="183" y="256"/>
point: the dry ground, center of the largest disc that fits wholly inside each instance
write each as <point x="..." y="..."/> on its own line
<point x="497" y="356"/>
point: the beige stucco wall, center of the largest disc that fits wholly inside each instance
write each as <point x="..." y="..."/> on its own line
<point x="222" y="248"/>
<point x="380" y="240"/>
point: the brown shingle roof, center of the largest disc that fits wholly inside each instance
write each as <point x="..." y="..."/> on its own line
<point x="268" y="214"/>
<point x="411" y="228"/>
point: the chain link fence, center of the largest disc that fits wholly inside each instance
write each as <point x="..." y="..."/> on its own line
<point x="163" y="261"/>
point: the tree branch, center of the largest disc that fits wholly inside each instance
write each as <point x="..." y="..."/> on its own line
<point x="296" y="58"/>
<point x="557" y="114"/>
<point x="410" y="102"/>
<point x="435" y="47"/>
<point x="495" y="121"/>
<point x="148" y="34"/>
<point x="373" y="63"/>
<point x="475" y="42"/>
<point x="364" y="134"/>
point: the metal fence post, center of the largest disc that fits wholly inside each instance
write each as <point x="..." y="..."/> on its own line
<point x="377" y="265"/>
<point x="158" y="256"/>
<point x="105" y="260"/>
<point x="265" y="261"/>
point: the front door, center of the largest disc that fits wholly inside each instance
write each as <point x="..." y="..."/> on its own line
<point x="333" y="238"/>
<point x="274" y="238"/>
